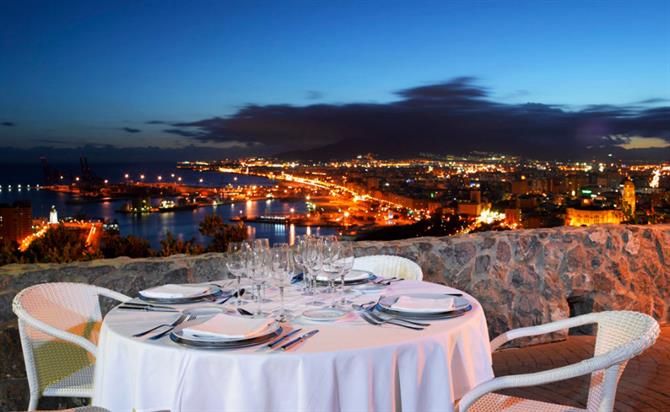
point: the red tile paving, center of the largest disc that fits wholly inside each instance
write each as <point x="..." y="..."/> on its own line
<point x="644" y="386"/>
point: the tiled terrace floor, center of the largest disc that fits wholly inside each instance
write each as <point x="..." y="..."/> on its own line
<point x="644" y="386"/>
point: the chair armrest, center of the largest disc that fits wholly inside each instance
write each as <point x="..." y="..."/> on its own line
<point x="112" y="294"/>
<point x="58" y="333"/>
<point x="541" y="329"/>
<point x="584" y="367"/>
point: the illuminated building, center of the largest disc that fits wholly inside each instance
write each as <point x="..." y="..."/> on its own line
<point x="15" y="221"/>
<point x="587" y="217"/>
<point x="472" y="209"/>
<point x="53" y="216"/>
<point x="628" y="199"/>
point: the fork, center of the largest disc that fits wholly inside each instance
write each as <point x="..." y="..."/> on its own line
<point x="378" y="318"/>
<point x="163" y="325"/>
<point x="368" y="318"/>
<point x="172" y="326"/>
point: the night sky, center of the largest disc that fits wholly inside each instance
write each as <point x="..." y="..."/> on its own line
<point x="171" y="80"/>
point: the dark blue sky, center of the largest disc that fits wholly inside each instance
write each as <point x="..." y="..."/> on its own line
<point x="93" y="72"/>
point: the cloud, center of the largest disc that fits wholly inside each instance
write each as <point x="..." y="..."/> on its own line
<point x="8" y="124"/>
<point x="452" y="117"/>
<point x="653" y="100"/>
<point x="130" y="130"/>
<point x="314" y="95"/>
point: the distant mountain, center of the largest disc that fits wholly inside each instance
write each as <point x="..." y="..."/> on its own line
<point x="412" y="147"/>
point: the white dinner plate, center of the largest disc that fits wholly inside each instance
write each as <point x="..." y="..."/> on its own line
<point x="354" y="275"/>
<point x="460" y="303"/>
<point x="188" y="337"/>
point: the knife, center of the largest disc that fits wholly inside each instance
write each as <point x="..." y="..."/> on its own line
<point x="300" y="339"/>
<point x="147" y="305"/>
<point x="147" y="308"/>
<point x="288" y="335"/>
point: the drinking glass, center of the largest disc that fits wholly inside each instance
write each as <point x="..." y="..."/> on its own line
<point x="330" y="253"/>
<point x="258" y="274"/>
<point x="281" y="273"/>
<point x="237" y="263"/>
<point x="299" y="247"/>
<point x="345" y="264"/>
<point x="263" y="246"/>
<point x="312" y="256"/>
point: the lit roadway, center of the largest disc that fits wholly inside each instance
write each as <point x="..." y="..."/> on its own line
<point x="314" y="183"/>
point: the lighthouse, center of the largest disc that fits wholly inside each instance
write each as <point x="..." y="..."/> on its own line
<point x="53" y="216"/>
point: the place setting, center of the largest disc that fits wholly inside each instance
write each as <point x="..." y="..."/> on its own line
<point x="420" y="306"/>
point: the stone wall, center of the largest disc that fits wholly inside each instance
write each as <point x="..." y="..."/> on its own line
<point x="521" y="278"/>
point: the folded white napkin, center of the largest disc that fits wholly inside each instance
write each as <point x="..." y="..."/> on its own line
<point x="416" y="304"/>
<point x="230" y="327"/>
<point x="171" y="291"/>
<point x="353" y="275"/>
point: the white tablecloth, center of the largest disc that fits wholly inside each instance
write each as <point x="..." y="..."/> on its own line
<point x="349" y="365"/>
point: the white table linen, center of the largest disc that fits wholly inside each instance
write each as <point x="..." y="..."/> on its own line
<point x="349" y="365"/>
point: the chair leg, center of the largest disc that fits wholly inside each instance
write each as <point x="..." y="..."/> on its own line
<point x="34" y="399"/>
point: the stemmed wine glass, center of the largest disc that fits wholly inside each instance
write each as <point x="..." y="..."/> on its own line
<point x="330" y="252"/>
<point x="345" y="264"/>
<point x="237" y="261"/>
<point x="281" y="273"/>
<point x="312" y="256"/>
<point x="259" y="258"/>
<point x="262" y="245"/>
<point x="299" y="247"/>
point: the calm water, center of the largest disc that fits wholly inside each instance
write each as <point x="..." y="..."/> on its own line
<point x="153" y="227"/>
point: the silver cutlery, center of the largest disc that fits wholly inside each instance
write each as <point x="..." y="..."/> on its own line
<point x="369" y="317"/>
<point x="172" y="326"/>
<point x="244" y="312"/>
<point x="147" y="309"/>
<point x="181" y="318"/>
<point x="379" y="318"/>
<point x="288" y="335"/>
<point x="150" y="305"/>
<point x="398" y="321"/>
<point x="237" y="294"/>
<point x="300" y="339"/>
<point x="394" y="319"/>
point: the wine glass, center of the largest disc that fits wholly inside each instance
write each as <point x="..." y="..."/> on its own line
<point x="330" y="253"/>
<point x="237" y="263"/>
<point x="262" y="245"/>
<point x="281" y="273"/>
<point x="312" y="255"/>
<point x="345" y="264"/>
<point x="259" y="258"/>
<point x="299" y="247"/>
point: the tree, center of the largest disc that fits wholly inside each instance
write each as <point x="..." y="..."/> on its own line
<point x="114" y="245"/>
<point x="173" y="246"/>
<point x="59" y="245"/>
<point x="221" y="233"/>
<point x="9" y="253"/>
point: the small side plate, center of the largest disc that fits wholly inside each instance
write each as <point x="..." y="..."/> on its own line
<point x="324" y="314"/>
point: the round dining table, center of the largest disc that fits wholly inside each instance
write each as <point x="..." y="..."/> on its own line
<point x="349" y="365"/>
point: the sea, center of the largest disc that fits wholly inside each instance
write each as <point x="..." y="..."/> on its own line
<point x="153" y="227"/>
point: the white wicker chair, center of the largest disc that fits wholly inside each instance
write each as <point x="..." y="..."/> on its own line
<point x="59" y="325"/>
<point x="621" y="335"/>
<point x="389" y="265"/>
